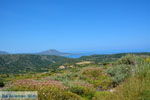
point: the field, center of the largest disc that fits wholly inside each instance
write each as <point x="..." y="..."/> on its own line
<point x="109" y="77"/>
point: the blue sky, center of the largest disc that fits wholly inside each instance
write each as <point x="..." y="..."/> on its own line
<point x="75" y="25"/>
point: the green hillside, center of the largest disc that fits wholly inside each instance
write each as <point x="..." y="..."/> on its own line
<point x="109" y="57"/>
<point x="126" y="78"/>
<point x="30" y="63"/>
<point x="21" y="63"/>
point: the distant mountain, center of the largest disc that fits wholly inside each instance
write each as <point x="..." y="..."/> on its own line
<point x="3" y="52"/>
<point x="53" y="52"/>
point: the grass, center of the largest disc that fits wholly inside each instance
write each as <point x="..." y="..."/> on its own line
<point x="130" y="74"/>
<point x="136" y="87"/>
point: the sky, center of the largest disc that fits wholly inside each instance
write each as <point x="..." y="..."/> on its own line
<point x="75" y="25"/>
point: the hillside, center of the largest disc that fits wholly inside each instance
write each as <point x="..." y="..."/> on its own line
<point x="29" y="63"/>
<point x="109" y="57"/>
<point x="126" y="78"/>
<point x="43" y="63"/>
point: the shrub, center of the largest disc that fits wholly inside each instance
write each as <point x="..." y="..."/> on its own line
<point x="103" y="95"/>
<point x="47" y="90"/>
<point x="1" y="83"/>
<point x="143" y="71"/>
<point x="70" y="96"/>
<point x="129" y="90"/>
<point x="147" y="59"/>
<point x="119" y="73"/>
<point x="97" y="77"/>
<point x="49" y="93"/>
<point x="83" y="91"/>
<point x="131" y="60"/>
<point x="136" y="87"/>
<point x="65" y="76"/>
<point x="145" y="95"/>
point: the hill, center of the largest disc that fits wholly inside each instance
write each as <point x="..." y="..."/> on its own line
<point x="109" y="57"/>
<point x="3" y="52"/>
<point x="30" y="63"/>
<point x="53" y="52"/>
<point x="126" y="78"/>
<point x="21" y="63"/>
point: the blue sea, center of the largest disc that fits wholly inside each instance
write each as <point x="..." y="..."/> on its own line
<point x="79" y="55"/>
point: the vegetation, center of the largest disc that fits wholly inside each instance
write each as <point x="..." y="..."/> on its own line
<point x="108" y="58"/>
<point x="97" y="77"/>
<point x="125" y="78"/>
<point x="2" y="83"/>
<point x="119" y="73"/>
<point x="30" y="63"/>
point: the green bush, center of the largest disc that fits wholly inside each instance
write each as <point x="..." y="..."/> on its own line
<point x="1" y="83"/>
<point x="83" y="91"/>
<point x="136" y="87"/>
<point x="70" y="96"/>
<point x="145" y="95"/>
<point x="131" y="89"/>
<point x="147" y="59"/>
<point x="119" y="73"/>
<point x="97" y="77"/>
<point x="65" y="76"/>
<point x="130" y="60"/>
<point x="102" y="95"/>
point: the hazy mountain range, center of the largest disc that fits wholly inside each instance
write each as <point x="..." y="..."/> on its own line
<point x="65" y="54"/>
<point x="3" y="52"/>
<point x="47" y="52"/>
